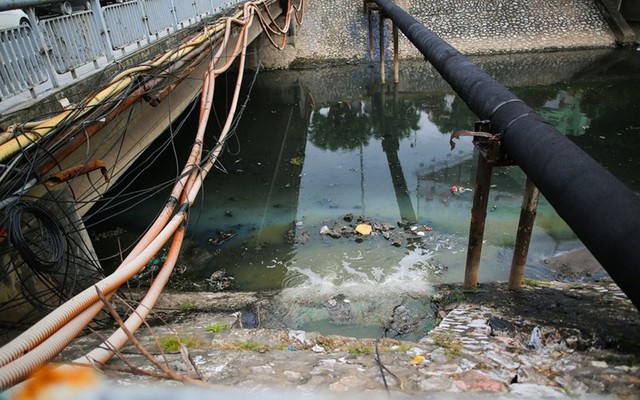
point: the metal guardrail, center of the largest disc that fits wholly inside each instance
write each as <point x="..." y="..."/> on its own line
<point x="21" y="67"/>
<point x="50" y="48"/>
<point x="160" y="16"/>
<point x="125" y="22"/>
<point x="73" y="40"/>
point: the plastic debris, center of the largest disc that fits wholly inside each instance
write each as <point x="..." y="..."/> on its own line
<point x="299" y="336"/>
<point x="459" y="189"/>
<point x="317" y="349"/>
<point x="417" y="360"/>
<point x="535" y="340"/>
<point x="364" y="229"/>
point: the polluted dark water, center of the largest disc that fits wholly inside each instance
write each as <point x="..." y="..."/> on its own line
<point x="327" y="149"/>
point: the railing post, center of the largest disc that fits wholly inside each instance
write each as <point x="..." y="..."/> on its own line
<point x="145" y="19"/>
<point x="46" y="50"/>
<point x="105" y="34"/>
<point x="175" y="15"/>
<point x="523" y="237"/>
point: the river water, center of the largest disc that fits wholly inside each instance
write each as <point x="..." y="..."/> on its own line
<point x="316" y="147"/>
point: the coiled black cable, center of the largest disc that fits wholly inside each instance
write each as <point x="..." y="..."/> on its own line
<point x="36" y="235"/>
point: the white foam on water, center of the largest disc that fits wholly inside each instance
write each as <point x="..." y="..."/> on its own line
<point x="369" y="277"/>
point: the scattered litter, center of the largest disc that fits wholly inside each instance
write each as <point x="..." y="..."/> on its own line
<point x="535" y="340"/>
<point x="417" y="360"/>
<point x="300" y="336"/>
<point x="317" y="349"/>
<point x="459" y="189"/>
<point x="364" y="229"/>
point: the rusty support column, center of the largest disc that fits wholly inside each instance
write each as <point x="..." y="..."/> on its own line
<point x="382" y="72"/>
<point x="396" y="63"/>
<point x="523" y="237"/>
<point x="478" y="216"/>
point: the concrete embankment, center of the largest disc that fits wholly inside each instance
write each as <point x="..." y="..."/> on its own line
<point x="338" y="29"/>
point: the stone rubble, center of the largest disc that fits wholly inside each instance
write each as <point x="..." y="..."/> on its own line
<point x="478" y="348"/>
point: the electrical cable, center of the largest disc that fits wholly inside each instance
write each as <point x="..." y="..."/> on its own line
<point x="42" y="250"/>
<point x="43" y="340"/>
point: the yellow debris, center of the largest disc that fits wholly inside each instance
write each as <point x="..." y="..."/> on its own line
<point x="417" y="360"/>
<point x="364" y="229"/>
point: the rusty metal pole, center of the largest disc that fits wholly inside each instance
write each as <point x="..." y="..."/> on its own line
<point x="478" y="216"/>
<point x="396" y="63"/>
<point x="382" y="72"/>
<point x="523" y="237"/>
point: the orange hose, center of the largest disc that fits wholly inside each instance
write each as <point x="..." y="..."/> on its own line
<point x="49" y="336"/>
<point x="117" y="340"/>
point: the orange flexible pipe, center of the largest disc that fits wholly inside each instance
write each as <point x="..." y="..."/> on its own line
<point x="103" y="353"/>
<point x="53" y="332"/>
<point x="44" y="328"/>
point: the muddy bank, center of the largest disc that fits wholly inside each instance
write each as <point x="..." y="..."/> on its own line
<point x="597" y="314"/>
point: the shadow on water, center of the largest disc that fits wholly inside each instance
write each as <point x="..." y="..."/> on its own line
<point x="328" y="147"/>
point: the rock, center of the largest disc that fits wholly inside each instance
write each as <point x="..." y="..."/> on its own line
<point x="263" y="369"/>
<point x="435" y="384"/>
<point x="481" y="326"/>
<point x="528" y="374"/>
<point x="533" y="391"/>
<point x="293" y="376"/>
<point x="325" y="230"/>
<point x="501" y="327"/>
<point x="438" y="355"/>
<point x="347" y="383"/>
<point x="599" y="364"/>
<point x="571" y="385"/>
<point x="415" y="351"/>
<point x="474" y="381"/>
<point x="317" y="349"/>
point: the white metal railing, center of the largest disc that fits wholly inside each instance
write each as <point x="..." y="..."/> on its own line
<point x="21" y="67"/>
<point x="54" y="47"/>
<point x="160" y="14"/>
<point x="126" y="24"/>
<point x="73" y="40"/>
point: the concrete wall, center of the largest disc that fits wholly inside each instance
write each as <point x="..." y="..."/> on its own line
<point x="337" y="29"/>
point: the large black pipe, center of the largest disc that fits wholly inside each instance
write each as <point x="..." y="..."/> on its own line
<point x="601" y="210"/>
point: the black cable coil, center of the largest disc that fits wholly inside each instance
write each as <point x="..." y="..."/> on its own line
<point x="36" y="235"/>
